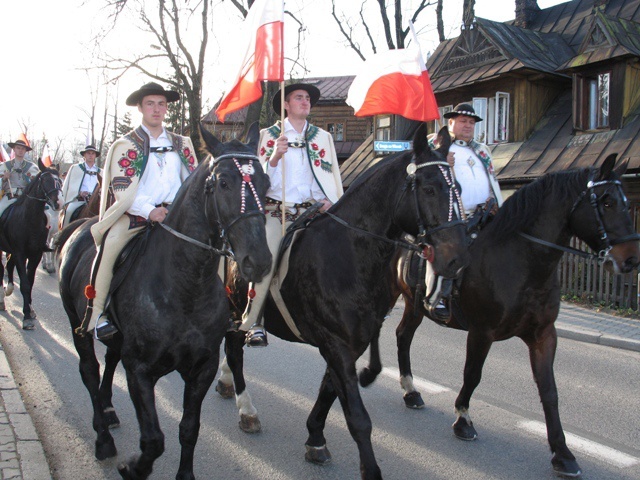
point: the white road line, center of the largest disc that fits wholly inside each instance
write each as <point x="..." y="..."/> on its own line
<point x="588" y="447"/>
<point x="420" y="383"/>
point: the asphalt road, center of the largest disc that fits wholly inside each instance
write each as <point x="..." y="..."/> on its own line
<point x="597" y="386"/>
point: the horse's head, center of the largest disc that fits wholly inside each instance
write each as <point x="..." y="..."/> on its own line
<point x="236" y="191"/>
<point x="602" y="219"/>
<point x="429" y="208"/>
<point x="49" y="187"/>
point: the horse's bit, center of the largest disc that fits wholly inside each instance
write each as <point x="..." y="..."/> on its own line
<point x="593" y="201"/>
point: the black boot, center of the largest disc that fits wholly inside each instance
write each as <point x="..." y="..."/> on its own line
<point x="256" y="337"/>
<point x="105" y="329"/>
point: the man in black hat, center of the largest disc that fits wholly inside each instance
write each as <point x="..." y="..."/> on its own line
<point x="473" y="169"/>
<point x="16" y="174"/>
<point x="143" y="170"/>
<point x="81" y="181"/>
<point x="308" y="156"/>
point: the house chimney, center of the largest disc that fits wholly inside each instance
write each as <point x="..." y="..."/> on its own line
<point x="526" y="11"/>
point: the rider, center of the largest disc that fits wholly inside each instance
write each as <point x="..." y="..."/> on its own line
<point x="312" y="174"/>
<point x="80" y="183"/>
<point x="16" y="174"/>
<point x="473" y="169"/>
<point x="144" y="169"/>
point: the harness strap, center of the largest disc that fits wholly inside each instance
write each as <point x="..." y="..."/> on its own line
<point x="193" y="241"/>
<point x="574" y="251"/>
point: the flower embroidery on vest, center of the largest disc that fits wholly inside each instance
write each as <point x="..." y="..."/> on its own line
<point x="189" y="158"/>
<point x="131" y="162"/>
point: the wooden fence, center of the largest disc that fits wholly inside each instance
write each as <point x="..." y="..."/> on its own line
<point x="587" y="279"/>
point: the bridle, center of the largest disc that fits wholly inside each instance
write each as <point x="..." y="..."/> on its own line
<point x="246" y="172"/>
<point x="590" y="194"/>
<point x="57" y="187"/>
<point x="455" y="205"/>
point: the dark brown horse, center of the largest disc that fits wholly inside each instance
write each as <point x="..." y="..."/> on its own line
<point x="335" y="290"/>
<point x="511" y="287"/>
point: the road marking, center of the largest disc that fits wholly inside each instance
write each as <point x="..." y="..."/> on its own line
<point x="419" y="383"/>
<point x="588" y="447"/>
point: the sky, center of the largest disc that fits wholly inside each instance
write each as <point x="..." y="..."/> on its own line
<point x="46" y="46"/>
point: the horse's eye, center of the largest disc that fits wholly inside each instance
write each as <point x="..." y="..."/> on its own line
<point x="429" y="190"/>
<point x="607" y="201"/>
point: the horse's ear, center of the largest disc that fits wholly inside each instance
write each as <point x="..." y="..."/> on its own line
<point x="41" y="165"/>
<point x="211" y="143"/>
<point x="607" y="166"/>
<point x="620" y="169"/>
<point x="443" y="141"/>
<point x="253" y="136"/>
<point x="420" y="143"/>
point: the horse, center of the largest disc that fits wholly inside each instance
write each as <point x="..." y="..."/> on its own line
<point x="89" y="209"/>
<point x="170" y="305"/>
<point x="334" y="290"/>
<point x="511" y="287"/>
<point x="23" y="235"/>
<point x="48" y="260"/>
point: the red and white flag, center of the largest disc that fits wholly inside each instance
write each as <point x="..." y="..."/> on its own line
<point x="394" y="82"/>
<point x="47" y="161"/>
<point x="262" y="59"/>
<point x="4" y="155"/>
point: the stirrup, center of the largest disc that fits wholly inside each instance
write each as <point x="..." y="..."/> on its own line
<point x="105" y="330"/>
<point x="256" y="336"/>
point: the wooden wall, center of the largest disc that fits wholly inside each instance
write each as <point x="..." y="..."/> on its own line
<point x="355" y="128"/>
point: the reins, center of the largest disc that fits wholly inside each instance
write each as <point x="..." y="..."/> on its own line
<point x="593" y="201"/>
<point x="47" y="194"/>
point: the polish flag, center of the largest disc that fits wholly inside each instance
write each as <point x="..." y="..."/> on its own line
<point x="4" y="155"/>
<point x="262" y="59"/>
<point x="394" y="82"/>
<point x="46" y="156"/>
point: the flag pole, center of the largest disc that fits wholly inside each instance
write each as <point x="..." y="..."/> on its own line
<point x="284" y="207"/>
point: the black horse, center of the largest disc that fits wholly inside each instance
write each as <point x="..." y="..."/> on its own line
<point x="511" y="287"/>
<point x="171" y="305"/>
<point x="336" y="291"/>
<point x="23" y="235"/>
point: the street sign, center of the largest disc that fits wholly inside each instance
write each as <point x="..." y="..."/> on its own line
<point x="397" y="146"/>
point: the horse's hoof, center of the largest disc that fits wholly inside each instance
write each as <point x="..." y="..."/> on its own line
<point x="8" y="290"/>
<point x="111" y="418"/>
<point x="126" y="469"/>
<point x="565" y="467"/>
<point x="317" y="455"/>
<point x="250" y="423"/>
<point x="464" y="430"/>
<point x="413" y="400"/>
<point x="51" y="270"/>
<point x="225" y="390"/>
<point x="28" y="324"/>
<point x="106" y="450"/>
<point x="366" y="377"/>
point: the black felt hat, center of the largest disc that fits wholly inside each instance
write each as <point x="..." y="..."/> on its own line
<point x="151" y="88"/>
<point x="20" y="143"/>
<point x="312" y="90"/>
<point x="463" y="109"/>
<point x="90" y="148"/>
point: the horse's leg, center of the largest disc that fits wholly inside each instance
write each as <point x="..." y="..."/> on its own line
<point x="25" y="289"/>
<point x="111" y="359"/>
<point x="542" y="352"/>
<point x="10" y="266"/>
<point x="2" y="294"/>
<point x="234" y="350"/>
<point x="342" y="370"/>
<point x="90" y="373"/>
<point x="404" y="336"/>
<point x="478" y="346"/>
<point x="369" y="373"/>
<point x="317" y="451"/>
<point x="195" y="389"/>
<point x="141" y="391"/>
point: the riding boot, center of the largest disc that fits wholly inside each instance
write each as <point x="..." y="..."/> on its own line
<point x="105" y="329"/>
<point x="438" y="310"/>
<point x="256" y="335"/>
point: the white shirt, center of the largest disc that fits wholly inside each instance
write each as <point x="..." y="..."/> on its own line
<point x="301" y="185"/>
<point x="160" y="181"/>
<point x="472" y="177"/>
<point x="89" y="182"/>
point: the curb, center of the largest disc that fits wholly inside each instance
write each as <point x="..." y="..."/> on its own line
<point x="20" y="443"/>
<point x="590" y="336"/>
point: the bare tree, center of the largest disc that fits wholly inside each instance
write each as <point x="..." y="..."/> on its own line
<point x="391" y="16"/>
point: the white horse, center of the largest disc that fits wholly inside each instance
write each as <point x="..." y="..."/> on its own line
<point x="48" y="259"/>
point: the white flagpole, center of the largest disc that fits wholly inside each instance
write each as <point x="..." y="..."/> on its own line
<point x="284" y="208"/>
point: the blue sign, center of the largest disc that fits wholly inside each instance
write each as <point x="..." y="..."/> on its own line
<point x="397" y="146"/>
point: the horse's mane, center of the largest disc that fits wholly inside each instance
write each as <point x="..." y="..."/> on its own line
<point x="373" y="169"/>
<point x="522" y="208"/>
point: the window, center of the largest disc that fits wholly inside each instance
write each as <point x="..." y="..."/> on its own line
<point x="480" y="107"/>
<point x="501" y="120"/>
<point x="494" y="112"/>
<point x="591" y="106"/>
<point x="441" y="122"/>
<point x="383" y="128"/>
<point x="336" y="130"/>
